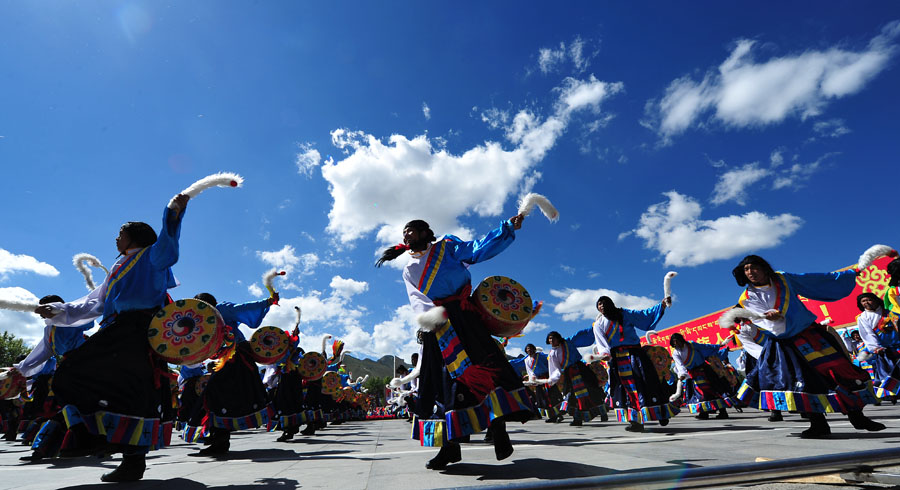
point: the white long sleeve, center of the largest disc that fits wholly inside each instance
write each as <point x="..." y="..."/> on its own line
<point x="419" y="302"/>
<point x="553" y="363"/>
<point x="867" y="322"/>
<point x="746" y="335"/>
<point x="760" y="300"/>
<point x="38" y="356"/>
<point x="601" y="328"/>
<point x="678" y="357"/>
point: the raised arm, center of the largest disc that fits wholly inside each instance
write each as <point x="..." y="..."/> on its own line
<point x="492" y="244"/>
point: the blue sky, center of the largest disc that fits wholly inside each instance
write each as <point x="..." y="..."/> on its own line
<point x="670" y="137"/>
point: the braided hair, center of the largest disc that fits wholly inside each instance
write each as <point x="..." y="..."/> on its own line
<point x="392" y="253"/>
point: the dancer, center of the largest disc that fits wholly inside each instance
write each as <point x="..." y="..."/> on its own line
<point x="466" y="383"/>
<point x="289" y="399"/>
<point x="583" y="396"/>
<point x="881" y="339"/>
<point x="235" y="397"/>
<point x="709" y="386"/>
<point x="123" y="406"/>
<point x="892" y="295"/>
<point x="546" y="398"/>
<point x="637" y="393"/>
<point x="802" y="362"/>
<point x="40" y="364"/>
<point x="752" y="339"/>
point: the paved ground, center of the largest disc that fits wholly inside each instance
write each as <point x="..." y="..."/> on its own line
<point x="379" y="454"/>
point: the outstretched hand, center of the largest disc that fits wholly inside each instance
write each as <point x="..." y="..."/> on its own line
<point x="45" y="311"/>
<point x="274" y="298"/>
<point x="517" y="221"/>
<point x="181" y="201"/>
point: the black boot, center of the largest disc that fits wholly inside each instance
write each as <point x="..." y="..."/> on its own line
<point x="449" y="453"/>
<point x="34" y="457"/>
<point x="776" y="416"/>
<point x="703" y="416"/>
<point x="489" y="434"/>
<point x="284" y="437"/>
<point x="131" y="469"/>
<point x="219" y="443"/>
<point x="818" y="427"/>
<point x="861" y="422"/>
<point x="502" y="446"/>
<point x="634" y="427"/>
<point x="723" y="414"/>
<point x="309" y="430"/>
<point x="663" y="422"/>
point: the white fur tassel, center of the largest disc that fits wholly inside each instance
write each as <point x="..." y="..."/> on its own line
<point x="325" y="339"/>
<point x="667" y="284"/>
<point x="530" y="200"/>
<point x="299" y="314"/>
<point x="872" y="253"/>
<point x="270" y="276"/>
<point x="8" y="304"/>
<point x="592" y="358"/>
<point x="678" y="392"/>
<point x="539" y="349"/>
<point x="863" y="356"/>
<point x="221" y="179"/>
<point x="432" y="319"/>
<point x="79" y="261"/>
<point x="647" y="336"/>
<point x="728" y="318"/>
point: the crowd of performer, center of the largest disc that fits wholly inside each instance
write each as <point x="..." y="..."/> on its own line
<point x="115" y="391"/>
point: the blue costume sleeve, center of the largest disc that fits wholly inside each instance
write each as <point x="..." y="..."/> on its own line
<point x="480" y="250"/>
<point x="829" y="286"/>
<point x="706" y="350"/>
<point x="250" y="314"/>
<point x="164" y="253"/>
<point x="519" y="365"/>
<point x="643" y="319"/>
<point x="542" y="367"/>
<point x="582" y="338"/>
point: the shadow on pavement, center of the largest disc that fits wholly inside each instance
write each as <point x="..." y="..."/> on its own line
<point x="185" y="484"/>
<point x="520" y="469"/>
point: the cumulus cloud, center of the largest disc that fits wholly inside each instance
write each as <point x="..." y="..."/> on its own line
<point x="308" y="159"/>
<point x="580" y="304"/>
<point x="381" y="185"/>
<point x="733" y="185"/>
<point x="26" y="326"/>
<point x="744" y="93"/>
<point x="675" y="230"/>
<point x="335" y="313"/>
<point x="256" y="291"/>
<point x="11" y="263"/>
<point x="287" y="259"/>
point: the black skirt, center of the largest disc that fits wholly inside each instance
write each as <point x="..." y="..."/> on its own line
<point x="235" y="395"/>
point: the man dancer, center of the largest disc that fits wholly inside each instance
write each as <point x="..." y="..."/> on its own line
<point x="466" y="383"/>
<point x="802" y="362"/>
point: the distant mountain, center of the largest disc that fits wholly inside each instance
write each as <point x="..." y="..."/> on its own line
<point x="383" y="367"/>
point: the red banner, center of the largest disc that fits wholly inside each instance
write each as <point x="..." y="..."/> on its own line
<point x="842" y="313"/>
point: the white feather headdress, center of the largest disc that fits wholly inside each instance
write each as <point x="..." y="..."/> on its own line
<point x="81" y="261"/>
<point x="221" y="179"/>
<point x="530" y="200"/>
<point x="872" y="253"/>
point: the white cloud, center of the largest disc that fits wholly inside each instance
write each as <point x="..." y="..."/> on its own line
<point x="746" y="93"/>
<point x="26" y="326"/>
<point x="799" y="173"/>
<point x="495" y="118"/>
<point x="533" y="327"/>
<point x="580" y="304"/>
<point x="308" y="159"/>
<point x="567" y="269"/>
<point x="380" y="186"/>
<point x="551" y="59"/>
<point x="426" y="111"/>
<point x="287" y="259"/>
<point x="348" y="287"/>
<point x="832" y="128"/>
<point x="256" y="291"/>
<point x="734" y="185"/>
<point x="776" y="159"/>
<point x="675" y="230"/>
<point x="11" y="263"/>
